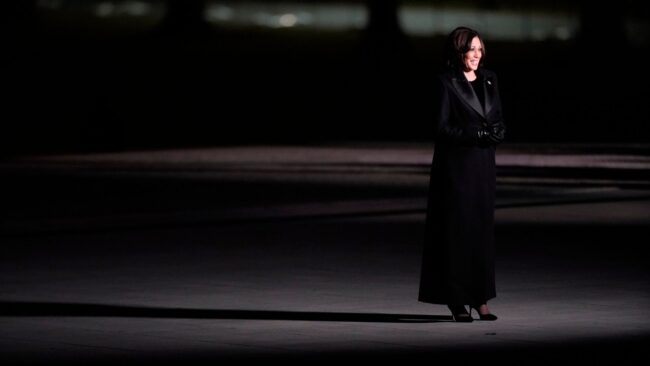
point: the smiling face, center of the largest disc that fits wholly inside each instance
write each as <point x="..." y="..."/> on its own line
<point x="473" y="56"/>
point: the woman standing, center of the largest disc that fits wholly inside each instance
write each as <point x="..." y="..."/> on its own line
<point x="458" y="257"/>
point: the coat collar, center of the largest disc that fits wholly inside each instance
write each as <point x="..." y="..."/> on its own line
<point x="466" y="92"/>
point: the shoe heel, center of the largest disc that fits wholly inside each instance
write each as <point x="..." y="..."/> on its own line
<point x="459" y="314"/>
<point x="488" y="316"/>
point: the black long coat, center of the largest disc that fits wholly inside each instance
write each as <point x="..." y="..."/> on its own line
<point x="458" y="256"/>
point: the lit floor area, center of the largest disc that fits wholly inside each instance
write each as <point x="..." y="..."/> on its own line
<point x="312" y="254"/>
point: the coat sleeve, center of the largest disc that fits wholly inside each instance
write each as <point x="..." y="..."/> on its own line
<point x="444" y="130"/>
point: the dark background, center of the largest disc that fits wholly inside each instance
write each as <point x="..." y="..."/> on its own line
<point x="76" y="83"/>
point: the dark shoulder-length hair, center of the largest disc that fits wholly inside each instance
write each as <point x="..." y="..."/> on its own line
<point x="458" y="43"/>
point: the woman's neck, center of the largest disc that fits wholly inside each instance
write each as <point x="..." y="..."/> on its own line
<point x="470" y="75"/>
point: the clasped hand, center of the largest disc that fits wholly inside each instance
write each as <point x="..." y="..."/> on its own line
<point x="493" y="134"/>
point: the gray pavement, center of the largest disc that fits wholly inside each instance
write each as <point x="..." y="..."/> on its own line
<point x="323" y="272"/>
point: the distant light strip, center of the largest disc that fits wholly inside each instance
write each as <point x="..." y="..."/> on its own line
<point x="415" y="20"/>
<point x="285" y="15"/>
<point x="498" y="25"/>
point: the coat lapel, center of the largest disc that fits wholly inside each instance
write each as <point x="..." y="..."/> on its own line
<point x="465" y="91"/>
<point x="490" y="90"/>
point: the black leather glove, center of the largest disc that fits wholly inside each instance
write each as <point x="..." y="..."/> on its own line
<point x="483" y="135"/>
<point x="497" y="133"/>
<point x="491" y="135"/>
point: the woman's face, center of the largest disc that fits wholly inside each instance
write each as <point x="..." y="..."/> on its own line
<point x="473" y="56"/>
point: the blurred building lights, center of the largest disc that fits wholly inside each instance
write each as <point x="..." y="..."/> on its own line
<point x="419" y="19"/>
<point x="287" y="20"/>
<point x="129" y="8"/>
<point x="219" y="13"/>
<point x="324" y="16"/>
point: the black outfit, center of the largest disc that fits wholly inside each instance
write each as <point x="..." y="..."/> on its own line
<point x="479" y="90"/>
<point x="458" y="257"/>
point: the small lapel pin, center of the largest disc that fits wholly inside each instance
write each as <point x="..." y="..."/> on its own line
<point x="489" y="82"/>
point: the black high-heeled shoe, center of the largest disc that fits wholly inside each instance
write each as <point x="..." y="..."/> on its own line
<point x="488" y="316"/>
<point x="460" y="314"/>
